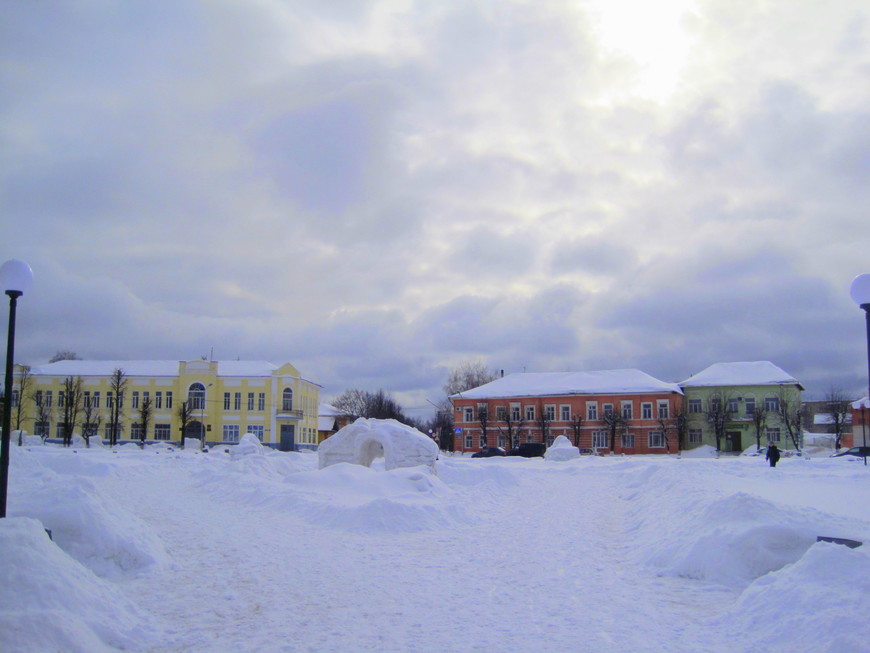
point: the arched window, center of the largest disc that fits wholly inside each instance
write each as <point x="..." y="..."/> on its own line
<point x="196" y="396"/>
<point x="287" y="399"/>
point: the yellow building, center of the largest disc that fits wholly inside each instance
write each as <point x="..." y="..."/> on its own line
<point x="224" y="400"/>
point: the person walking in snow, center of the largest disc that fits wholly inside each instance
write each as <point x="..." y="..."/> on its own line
<point x="772" y="454"/>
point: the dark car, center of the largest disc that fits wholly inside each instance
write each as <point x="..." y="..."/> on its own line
<point x="529" y="450"/>
<point x="488" y="452"/>
<point x="863" y="452"/>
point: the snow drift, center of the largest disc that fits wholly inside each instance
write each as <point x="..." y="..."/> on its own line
<point x="50" y="602"/>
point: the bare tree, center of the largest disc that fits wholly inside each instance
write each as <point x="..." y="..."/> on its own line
<point x="718" y="415"/>
<point x="789" y="413"/>
<point x="145" y="413"/>
<point x="91" y="420"/>
<point x="43" y="413"/>
<point x="25" y="380"/>
<point x="467" y="375"/>
<point x="577" y="427"/>
<point x="64" y="355"/>
<point x="117" y="388"/>
<point x="666" y="425"/>
<point x="372" y="405"/>
<point x="681" y="427"/>
<point x="352" y="403"/>
<point x="615" y="423"/>
<point x="442" y="424"/>
<point x="70" y="406"/>
<point x="840" y="409"/>
<point x="483" y="420"/>
<point x="185" y="416"/>
<point x="759" y="419"/>
<point x="544" y="421"/>
<point x="512" y="426"/>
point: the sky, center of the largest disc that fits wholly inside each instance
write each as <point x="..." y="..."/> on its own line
<point x="378" y="190"/>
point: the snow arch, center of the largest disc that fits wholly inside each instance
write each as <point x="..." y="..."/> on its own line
<point x="366" y="439"/>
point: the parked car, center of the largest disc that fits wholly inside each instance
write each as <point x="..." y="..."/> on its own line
<point x="529" y="450"/>
<point x="489" y="452"/>
<point x="863" y="452"/>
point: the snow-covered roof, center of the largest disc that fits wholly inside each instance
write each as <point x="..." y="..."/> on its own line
<point x="328" y="410"/>
<point x="865" y="402"/>
<point x="828" y="419"/>
<point x="746" y="373"/>
<point x="246" y="368"/>
<point x="531" y="384"/>
<point x="147" y="368"/>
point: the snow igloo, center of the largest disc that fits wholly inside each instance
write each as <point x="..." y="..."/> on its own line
<point x="366" y="439"/>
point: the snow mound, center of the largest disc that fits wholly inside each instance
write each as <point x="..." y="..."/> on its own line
<point x="455" y="472"/>
<point x="249" y="445"/>
<point x="561" y="450"/>
<point x="33" y="441"/>
<point x="828" y="581"/>
<point x="92" y="527"/>
<point x="366" y="439"/>
<point x="731" y="539"/>
<point x="704" y="451"/>
<point x="343" y="496"/>
<point x="50" y="602"/>
<point x="358" y="499"/>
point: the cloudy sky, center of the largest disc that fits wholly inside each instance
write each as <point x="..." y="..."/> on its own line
<point x="378" y="190"/>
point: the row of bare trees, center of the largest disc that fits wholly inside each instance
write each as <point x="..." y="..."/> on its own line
<point x="75" y="410"/>
<point x="720" y="411"/>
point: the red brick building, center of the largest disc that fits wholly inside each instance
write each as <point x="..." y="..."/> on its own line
<point x="623" y="411"/>
<point x="860" y="435"/>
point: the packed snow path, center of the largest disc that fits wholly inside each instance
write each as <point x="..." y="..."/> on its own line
<point x="536" y="570"/>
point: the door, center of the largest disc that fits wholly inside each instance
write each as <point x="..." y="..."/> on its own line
<point x="733" y="441"/>
<point x="288" y="438"/>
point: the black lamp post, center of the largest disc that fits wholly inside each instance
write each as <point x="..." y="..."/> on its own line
<point x="860" y="292"/>
<point x="15" y="277"/>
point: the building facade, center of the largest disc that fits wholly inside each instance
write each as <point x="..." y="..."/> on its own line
<point x="742" y="402"/>
<point x="860" y="431"/>
<point x="223" y="400"/>
<point x="619" y="411"/>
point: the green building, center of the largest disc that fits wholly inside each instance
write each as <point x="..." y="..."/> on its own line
<point x="731" y="406"/>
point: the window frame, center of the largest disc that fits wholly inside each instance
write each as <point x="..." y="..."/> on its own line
<point x="663" y="409"/>
<point x="646" y="410"/>
<point x="231" y="433"/>
<point x="592" y="411"/>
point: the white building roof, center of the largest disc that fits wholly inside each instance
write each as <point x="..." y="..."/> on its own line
<point x="746" y="373"/>
<point x="826" y="419"/>
<point x="147" y="368"/>
<point x="328" y="410"/>
<point x="865" y="401"/>
<point x="533" y="384"/>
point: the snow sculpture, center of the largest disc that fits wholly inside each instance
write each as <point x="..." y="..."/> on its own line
<point x="366" y="439"/>
<point x="562" y="449"/>
<point x="249" y="445"/>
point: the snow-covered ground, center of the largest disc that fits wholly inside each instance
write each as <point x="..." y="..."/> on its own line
<point x="162" y="550"/>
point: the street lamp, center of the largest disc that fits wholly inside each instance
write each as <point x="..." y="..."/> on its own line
<point x="860" y="292"/>
<point x="15" y="277"/>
